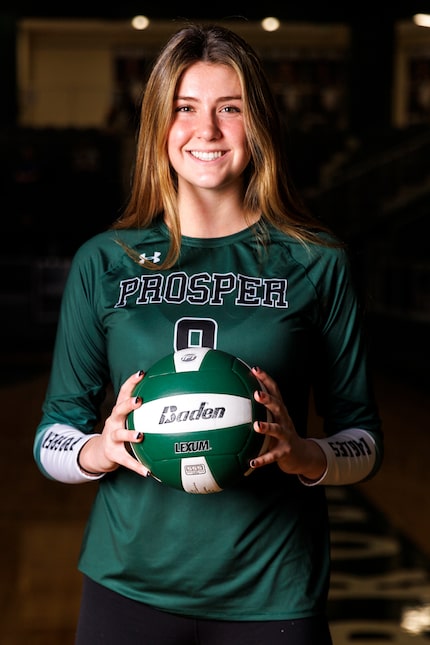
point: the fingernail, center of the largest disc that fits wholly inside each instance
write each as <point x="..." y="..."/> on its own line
<point x="138" y="399"/>
<point x="252" y="463"/>
<point x="256" y="368"/>
<point x="139" y="436"/>
<point x="140" y="373"/>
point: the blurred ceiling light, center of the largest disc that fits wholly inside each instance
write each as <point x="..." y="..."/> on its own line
<point x="416" y="620"/>
<point x="422" y="19"/>
<point x="270" y="24"/>
<point x="140" y="22"/>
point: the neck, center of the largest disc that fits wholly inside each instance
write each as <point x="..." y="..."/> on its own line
<point x="208" y="214"/>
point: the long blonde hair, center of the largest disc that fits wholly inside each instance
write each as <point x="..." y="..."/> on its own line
<point x="268" y="185"/>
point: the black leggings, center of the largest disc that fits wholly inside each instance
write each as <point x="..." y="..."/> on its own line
<point x="107" y="618"/>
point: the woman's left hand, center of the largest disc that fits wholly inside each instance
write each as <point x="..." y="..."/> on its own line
<point x="292" y="453"/>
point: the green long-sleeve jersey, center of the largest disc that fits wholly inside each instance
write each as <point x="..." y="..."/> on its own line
<point x="259" y="550"/>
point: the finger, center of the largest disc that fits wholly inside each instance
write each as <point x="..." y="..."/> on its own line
<point x="267" y="457"/>
<point x="274" y="430"/>
<point x="277" y="448"/>
<point x="127" y="457"/>
<point x="273" y="404"/>
<point x="123" y="408"/>
<point x="267" y="381"/>
<point x="127" y="388"/>
<point x="135" y="464"/>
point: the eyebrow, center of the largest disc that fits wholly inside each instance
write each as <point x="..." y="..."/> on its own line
<point x="220" y="98"/>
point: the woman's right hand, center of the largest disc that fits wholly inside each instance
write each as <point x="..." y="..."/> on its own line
<point x="107" y="451"/>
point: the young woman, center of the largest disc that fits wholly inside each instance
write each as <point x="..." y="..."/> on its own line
<point x="214" y="239"/>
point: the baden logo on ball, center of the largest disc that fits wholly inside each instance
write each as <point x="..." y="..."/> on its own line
<point x="197" y="419"/>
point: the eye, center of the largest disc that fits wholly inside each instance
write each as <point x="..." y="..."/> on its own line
<point x="231" y="109"/>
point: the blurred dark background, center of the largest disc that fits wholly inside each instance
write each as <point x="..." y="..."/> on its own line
<point x="357" y="116"/>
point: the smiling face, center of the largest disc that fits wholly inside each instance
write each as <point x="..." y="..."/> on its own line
<point x="207" y="144"/>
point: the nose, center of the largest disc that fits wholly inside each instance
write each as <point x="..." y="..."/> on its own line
<point x="208" y="127"/>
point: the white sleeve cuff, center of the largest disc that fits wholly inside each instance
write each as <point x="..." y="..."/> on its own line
<point x="351" y="456"/>
<point x="59" y="451"/>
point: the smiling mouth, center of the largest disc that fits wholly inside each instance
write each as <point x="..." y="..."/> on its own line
<point x="206" y="156"/>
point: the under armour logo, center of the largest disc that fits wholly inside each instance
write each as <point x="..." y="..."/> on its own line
<point x="152" y="258"/>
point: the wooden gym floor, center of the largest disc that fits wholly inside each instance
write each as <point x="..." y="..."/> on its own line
<point x="381" y="529"/>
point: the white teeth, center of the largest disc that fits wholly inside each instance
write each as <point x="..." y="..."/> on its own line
<point x="206" y="156"/>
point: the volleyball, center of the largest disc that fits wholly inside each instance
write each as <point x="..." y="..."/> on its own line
<point x="197" y="420"/>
